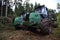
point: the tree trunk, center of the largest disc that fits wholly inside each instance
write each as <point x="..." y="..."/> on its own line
<point x="15" y="6"/>
<point x="6" y="7"/>
<point x="6" y="10"/>
<point x="1" y="10"/>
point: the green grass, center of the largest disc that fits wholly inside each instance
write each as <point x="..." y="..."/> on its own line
<point x="56" y="31"/>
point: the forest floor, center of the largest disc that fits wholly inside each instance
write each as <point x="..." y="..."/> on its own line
<point x="25" y="35"/>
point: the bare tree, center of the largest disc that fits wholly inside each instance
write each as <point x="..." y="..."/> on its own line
<point x="58" y="7"/>
<point x="1" y="7"/>
<point x="6" y="7"/>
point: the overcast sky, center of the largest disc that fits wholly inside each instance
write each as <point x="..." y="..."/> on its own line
<point x="51" y="4"/>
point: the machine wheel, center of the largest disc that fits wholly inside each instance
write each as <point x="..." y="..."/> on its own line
<point x="46" y="31"/>
<point x="49" y="30"/>
<point x="55" y="24"/>
<point x="46" y="28"/>
<point x="17" y="27"/>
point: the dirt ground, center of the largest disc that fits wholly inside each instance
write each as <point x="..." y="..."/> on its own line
<point x="25" y="35"/>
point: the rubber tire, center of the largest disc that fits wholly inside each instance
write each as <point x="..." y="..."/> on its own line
<point x="47" y="31"/>
<point x="32" y="29"/>
<point x="55" y="24"/>
<point x="17" y="27"/>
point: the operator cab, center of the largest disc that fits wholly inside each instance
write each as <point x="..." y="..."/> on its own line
<point x="42" y="10"/>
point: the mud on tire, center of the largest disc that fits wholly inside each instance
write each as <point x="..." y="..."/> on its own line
<point x="17" y="27"/>
<point x="46" y="28"/>
<point x="46" y="31"/>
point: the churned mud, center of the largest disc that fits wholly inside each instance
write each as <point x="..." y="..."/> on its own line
<point x="25" y="35"/>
